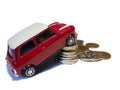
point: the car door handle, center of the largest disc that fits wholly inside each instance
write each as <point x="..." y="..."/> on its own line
<point x="43" y="48"/>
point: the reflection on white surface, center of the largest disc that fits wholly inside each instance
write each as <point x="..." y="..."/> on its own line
<point x="11" y="75"/>
<point x="50" y="63"/>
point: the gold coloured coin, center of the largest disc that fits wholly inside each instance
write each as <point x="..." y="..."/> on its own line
<point x="92" y="45"/>
<point x="105" y="55"/>
<point x="71" y="48"/>
<point x="83" y="48"/>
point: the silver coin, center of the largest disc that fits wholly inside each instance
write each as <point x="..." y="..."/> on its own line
<point x="69" y="61"/>
<point x="69" y="53"/>
<point x="91" y="56"/>
<point x="68" y="57"/>
<point x="80" y="42"/>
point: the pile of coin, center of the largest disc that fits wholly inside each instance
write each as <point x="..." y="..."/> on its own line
<point x="71" y="54"/>
<point x="93" y="56"/>
<point x="88" y="55"/>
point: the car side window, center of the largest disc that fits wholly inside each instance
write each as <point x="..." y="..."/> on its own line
<point x="45" y="35"/>
<point x="27" y="47"/>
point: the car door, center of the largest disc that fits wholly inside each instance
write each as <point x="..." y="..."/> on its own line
<point x="48" y="44"/>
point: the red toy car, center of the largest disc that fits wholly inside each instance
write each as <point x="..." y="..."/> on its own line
<point x="33" y="45"/>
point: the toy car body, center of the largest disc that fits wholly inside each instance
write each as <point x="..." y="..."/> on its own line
<point x="31" y="46"/>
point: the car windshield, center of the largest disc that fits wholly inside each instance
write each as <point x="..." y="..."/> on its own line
<point x="11" y="52"/>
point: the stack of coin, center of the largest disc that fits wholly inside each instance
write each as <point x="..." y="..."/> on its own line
<point x="69" y="55"/>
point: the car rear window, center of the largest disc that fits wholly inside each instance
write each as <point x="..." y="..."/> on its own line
<point x="27" y="47"/>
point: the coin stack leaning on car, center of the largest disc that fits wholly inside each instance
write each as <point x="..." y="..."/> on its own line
<point x="71" y="54"/>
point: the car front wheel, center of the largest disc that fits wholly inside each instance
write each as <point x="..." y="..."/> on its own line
<point x="70" y="41"/>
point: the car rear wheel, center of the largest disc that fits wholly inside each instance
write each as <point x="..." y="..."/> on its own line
<point x="70" y="41"/>
<point x="29" y="71"/>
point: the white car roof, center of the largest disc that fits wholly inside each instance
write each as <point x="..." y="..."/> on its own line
<point x="26" y="34"/>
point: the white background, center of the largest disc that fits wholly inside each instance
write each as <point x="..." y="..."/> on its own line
<point x="95" y="21"/>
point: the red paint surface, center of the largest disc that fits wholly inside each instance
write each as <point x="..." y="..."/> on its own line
<point x="43" y="50"/>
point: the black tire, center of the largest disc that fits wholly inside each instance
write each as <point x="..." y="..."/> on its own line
<point x="29" y="71"/>
<point x="70" y="41"/>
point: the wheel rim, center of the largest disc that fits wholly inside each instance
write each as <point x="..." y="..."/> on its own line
<point x="70" y="41"/>
<point x="30" y="72"/>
